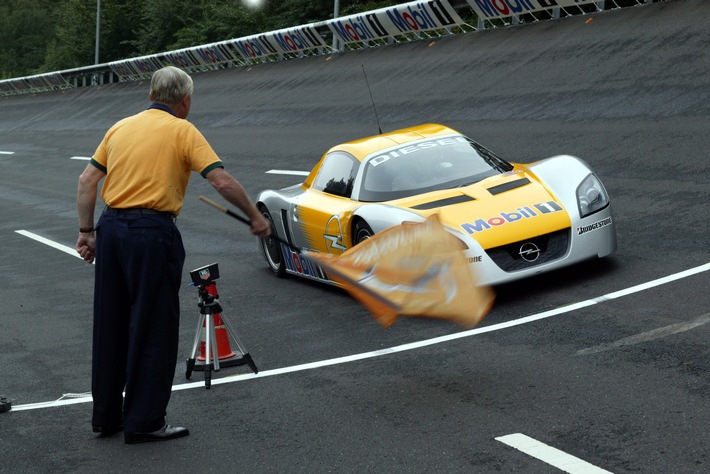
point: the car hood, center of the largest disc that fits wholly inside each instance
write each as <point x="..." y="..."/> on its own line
<point x="496" y="211"/>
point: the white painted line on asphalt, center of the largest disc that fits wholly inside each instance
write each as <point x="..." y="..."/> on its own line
<point x="553" y="456"/>
<point x="404" y="347"/>
<point x="71" y="251"/>
<point x="647" y="336"/>
<point x="84" y="158"/>
<point x="289" y="172"/>
<point x="7" y="152"/>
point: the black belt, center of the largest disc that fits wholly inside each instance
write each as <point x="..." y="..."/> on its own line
<point x="140" y="211"/>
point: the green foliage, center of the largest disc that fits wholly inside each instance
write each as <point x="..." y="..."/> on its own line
<point x="73" y="42"/>
<point x="26" y="28"/>
<point x="51" y="35"/>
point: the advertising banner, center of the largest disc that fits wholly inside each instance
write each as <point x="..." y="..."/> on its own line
<point x="212" y="54"/>
<point x="490" y="9"/>
<point x="286" y="41"/>
<point x="393" y="21"/>
<point x="49" y="81"/>
<point x="145" y="64"/>
<point x="182" y="58"/>
<point x="123" y="69"/>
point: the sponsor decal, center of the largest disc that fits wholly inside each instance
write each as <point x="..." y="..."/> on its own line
<point x="301" y="265"/>
<point x="409" y="149"/>
<point x="594" y="226"/>
<point x="525" y="212"/>
<point x="476" y="259"/>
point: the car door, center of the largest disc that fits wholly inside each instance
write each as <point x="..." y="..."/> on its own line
<point x="321" y="216"/>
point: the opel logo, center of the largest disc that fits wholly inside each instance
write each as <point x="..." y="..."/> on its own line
<point x="529" y="252"/>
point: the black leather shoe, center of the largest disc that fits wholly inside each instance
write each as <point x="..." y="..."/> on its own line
<point x="163" y="434"/>
<point x="107" y="430"/>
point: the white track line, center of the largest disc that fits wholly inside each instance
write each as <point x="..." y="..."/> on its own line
<point x="648" y="335"/>
<point x="7" y="152"/>
<point x="553" y="456"/>
<point x="83" y="158"/>
<point x="289" y="172"/>
<point x="71" y="251"/>
<point x="390" y="350"/>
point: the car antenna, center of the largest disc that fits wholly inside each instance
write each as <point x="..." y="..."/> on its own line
<point x="371" y="99"/>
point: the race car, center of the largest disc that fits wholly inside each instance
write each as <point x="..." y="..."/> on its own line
<point x="517" y="220"/>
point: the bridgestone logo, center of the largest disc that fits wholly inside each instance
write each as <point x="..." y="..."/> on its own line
<point x="595" y="226"/>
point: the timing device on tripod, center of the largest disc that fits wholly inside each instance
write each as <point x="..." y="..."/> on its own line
<point x="214" y="347"/>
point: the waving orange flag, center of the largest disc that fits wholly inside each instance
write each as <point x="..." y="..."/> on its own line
<point x="413" y="269"/>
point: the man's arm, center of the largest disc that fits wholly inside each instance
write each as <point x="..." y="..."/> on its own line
<point x="86" y="204"/>
<point x="230" y="189"/>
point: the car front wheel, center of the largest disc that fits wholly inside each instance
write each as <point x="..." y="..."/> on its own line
<point x="362" y="232"/>
<point x="271" y="248"/>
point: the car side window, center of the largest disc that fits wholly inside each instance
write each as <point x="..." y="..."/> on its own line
<point x="337" y="174"/>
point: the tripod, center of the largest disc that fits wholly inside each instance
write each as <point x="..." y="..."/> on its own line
<point x="210" y="310"/>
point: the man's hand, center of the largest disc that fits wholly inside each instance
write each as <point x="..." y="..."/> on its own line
<point x="85" y="203"/>
<point x="86" y="246"/>
<point x="260" y="226"/>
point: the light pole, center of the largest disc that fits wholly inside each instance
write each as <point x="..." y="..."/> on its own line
<point x="98" y="28"/>
<point x="336" y="14"/>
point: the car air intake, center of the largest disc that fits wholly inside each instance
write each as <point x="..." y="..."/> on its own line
<point x="443" y="202"/>
<point x="501" y="188"/>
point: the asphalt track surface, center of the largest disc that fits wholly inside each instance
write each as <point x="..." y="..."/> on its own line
<point x="620" y="381"/>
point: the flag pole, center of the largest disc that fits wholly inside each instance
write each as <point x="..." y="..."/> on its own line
<point x="243" y="219"/>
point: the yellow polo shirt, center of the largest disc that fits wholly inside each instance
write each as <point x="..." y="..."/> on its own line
<point x="148" y="159"/>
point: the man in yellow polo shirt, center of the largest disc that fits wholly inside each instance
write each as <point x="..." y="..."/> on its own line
<point x="147" y="160"/>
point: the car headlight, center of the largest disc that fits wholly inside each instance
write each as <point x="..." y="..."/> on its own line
<point x="591" y="196"/>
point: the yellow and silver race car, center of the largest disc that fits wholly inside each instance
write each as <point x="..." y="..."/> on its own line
<point x="517" y="220"/>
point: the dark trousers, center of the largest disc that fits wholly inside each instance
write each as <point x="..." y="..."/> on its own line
<point x="139" y="262"/>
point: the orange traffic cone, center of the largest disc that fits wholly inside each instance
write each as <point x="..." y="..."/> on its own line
<point x="224" y="351"/>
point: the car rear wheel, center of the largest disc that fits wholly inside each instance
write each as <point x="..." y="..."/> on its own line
<point x="362" y="232"/>
<point x="271" y="249"/>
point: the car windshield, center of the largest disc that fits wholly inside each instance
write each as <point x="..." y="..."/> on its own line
<point x="427" y="165"/>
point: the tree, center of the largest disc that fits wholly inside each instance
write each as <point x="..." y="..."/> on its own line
<point x="119" y="20"/>
<point x="26" y="28"/>
<point x="74" y="41"/>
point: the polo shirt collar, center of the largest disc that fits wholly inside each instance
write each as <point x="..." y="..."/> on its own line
<point x="162" y="107"/>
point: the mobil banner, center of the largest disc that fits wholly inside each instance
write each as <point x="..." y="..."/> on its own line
<point x="488" y="9"/>
<point x="393" y="21"/>
<point x="136" y="67"/>
<point x="212" y="54"/>
<point x="183" y="58"/>
<point x="289" y="40"/>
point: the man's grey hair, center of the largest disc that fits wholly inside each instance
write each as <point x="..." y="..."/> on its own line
<point x="169" y="85"/>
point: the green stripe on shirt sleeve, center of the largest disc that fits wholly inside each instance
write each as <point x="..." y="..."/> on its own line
<point x="217" y="164"/>
<point x="98" y="165"/>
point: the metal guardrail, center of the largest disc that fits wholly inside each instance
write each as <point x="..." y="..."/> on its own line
<point x="411" y="21"/>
